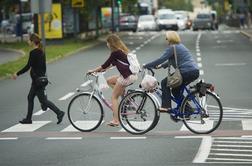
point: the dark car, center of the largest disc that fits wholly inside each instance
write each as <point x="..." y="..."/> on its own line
<point x="203" y="21"/>
<point x="128" y="23"/>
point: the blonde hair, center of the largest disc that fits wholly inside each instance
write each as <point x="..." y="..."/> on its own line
<point x="116" y="44"/>
<point x="172" y="37"/>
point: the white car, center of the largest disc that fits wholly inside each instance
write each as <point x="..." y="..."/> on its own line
<point x="147" y="22"/>
<point x="182" y="19"/>
<point x="167" y="20"/>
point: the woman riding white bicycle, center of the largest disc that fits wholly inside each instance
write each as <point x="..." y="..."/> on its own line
<point x="118" y="54"/>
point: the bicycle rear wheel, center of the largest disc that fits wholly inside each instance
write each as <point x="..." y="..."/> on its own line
<point x="85" y="112"/>
<point x="202" y="114"/>
<point x="138" y="113"/>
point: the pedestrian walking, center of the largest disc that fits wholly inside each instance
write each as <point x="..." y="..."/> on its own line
<point x="37" y="66"/>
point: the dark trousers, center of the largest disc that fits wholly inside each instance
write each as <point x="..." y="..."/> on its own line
<point x="40" y="93"/>
<point x="188" y="77"/>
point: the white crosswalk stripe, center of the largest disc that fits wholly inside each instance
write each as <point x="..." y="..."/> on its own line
<point x="27" y="127"/>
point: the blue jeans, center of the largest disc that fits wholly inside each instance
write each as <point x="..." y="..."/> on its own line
<point x="188" y="77"/>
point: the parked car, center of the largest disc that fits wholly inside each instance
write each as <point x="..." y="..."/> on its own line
<point x="203" y="21"/>
<point x="7" y="27"/>
<point x="167" y="20"/>
<point x="128" y="23"/>
<point x="147" y="22"/>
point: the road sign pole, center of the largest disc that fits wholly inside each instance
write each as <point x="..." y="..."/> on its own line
<point x="41" y="7"/>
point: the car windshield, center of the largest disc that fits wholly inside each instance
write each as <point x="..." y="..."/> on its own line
<point x="203" y="16"/>
<point x="146" y="18"/>
<point x="128" y="18"/>
<point x="167" y="16"/>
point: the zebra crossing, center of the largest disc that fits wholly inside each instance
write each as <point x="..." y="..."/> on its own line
<point x="225" y="150"/>
<point x="235" y="115"/>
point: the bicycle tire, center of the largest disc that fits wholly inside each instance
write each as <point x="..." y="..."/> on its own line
<point x="208" y="118"/>
<point x="138" y="113"/>
<point x="85" y="113"/>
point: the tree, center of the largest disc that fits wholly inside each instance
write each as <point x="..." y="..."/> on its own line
<point x="176" y="4"/>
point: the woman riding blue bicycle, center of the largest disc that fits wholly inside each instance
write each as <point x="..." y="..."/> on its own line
<point x="186" y="64"/>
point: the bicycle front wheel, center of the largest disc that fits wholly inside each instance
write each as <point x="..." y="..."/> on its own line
<point x="138" y="113"/>
<point x="85" y="112"/>
<point x="202" y="114"/>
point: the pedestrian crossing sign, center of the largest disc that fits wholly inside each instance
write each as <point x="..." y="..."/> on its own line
<point x="77" y="3"/>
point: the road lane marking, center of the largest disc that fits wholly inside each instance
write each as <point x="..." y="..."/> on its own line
<point x="198" y="59"/>
<point x="127" y="138"/>
<point x="230" y="159"/>
<point x="8" y="138"/>
<point x="231" y="154"/>
<point x="40" y="112"/>
<point x="201" y="72"/>
<point x="201" y="127"/>
<point x="26" y="127"/>
<point x="230" y="64"/>
<point x="82" y="124"/>
<point x="247" y="124"/>
<point x="200" y="65"/>
<point x="204" y="150"/>
<point x="67" y="96"/>
<point x="64" y="138"/>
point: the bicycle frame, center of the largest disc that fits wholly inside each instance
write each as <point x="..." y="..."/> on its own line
<point x="176" y="111"/>
<point x="95" y="91"/>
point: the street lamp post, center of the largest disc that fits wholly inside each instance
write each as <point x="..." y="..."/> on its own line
<point x="112" y="16"/>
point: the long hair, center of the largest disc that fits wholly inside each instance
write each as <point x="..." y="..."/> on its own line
<point x="36" y="40"/>
<point x="117" y="44"/>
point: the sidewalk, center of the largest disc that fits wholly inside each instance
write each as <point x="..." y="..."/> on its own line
<point x="7" y="55"/>
<point x="247" y="32"/>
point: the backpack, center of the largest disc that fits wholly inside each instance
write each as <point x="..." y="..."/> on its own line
<point x="134" y="65"/>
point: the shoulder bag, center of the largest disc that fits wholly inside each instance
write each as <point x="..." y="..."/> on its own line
<point x="174" y="79"/>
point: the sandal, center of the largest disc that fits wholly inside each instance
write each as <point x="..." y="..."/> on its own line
<point x="165" y="110"/>
<point x="112" y="124"/>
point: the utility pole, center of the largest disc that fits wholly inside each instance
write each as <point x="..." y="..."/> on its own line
<point x="20" y="20"/>
<point x="113" y="16"/>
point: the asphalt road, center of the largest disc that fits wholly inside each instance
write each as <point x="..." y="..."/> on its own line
<point x="224" y="59"/>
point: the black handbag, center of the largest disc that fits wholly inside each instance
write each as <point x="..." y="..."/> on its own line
<point x="41" y="81"/>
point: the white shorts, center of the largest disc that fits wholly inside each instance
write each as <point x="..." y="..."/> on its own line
<point x="127" y="81"/>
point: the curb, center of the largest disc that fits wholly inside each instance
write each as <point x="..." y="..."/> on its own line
<point x="246" y="34"/>
<point x="13" y="50"/>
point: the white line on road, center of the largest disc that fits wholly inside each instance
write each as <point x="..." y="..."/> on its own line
<point x="230" y="64"/>
<point x="199" y="59"/>
<point x="67" y="96"/>
<point x="27" y="127"/>
<point x="204" y="150"/>
<point x="40" y="112"/>
<point x="231" y="150"/>
<point x="120" y="138"/>
<point x="63" y="138"/>
<point x="231" y="154"/>
<point x="200" y="65"/>
<point x="8" y="138"/>
<point x="201" y="72"/>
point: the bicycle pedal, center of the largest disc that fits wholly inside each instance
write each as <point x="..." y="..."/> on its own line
<point x="173" y="118"/>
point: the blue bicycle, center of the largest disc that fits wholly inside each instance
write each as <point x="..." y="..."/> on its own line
<point x="200" y="110"/>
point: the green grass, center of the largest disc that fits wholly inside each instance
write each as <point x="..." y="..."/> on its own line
<point x="54" y="50"/>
